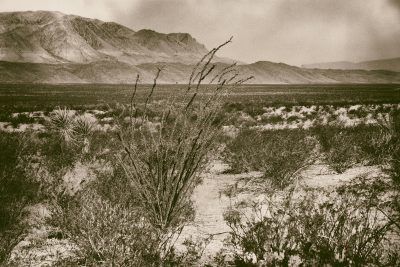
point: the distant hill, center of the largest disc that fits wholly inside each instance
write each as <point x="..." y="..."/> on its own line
<point x="52" y="47"/>
<point x="120" y="72"/>
<point x="392" y="64"/>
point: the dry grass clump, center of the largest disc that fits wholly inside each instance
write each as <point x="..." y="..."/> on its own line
<point x="279" y="154"/>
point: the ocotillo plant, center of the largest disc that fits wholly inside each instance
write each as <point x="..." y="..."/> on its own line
<point x="163" y="163"/>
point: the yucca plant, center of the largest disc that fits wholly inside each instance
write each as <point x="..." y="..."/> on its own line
<point x="61" y="121"/>
<point x="82" y="131"/>
<point x="83" y="127"/>
<point x="72" y="130"/>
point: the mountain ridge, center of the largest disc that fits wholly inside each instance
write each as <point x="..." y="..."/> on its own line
<point x="392" y="64"/>
<point x="52" y="47"/>
<point x="54" y="37"/>
<point x="175" y="72"/>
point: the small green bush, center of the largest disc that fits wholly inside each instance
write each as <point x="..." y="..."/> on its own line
<point x="279" y="154"/>
<point x="363" y="144"/>
<point x="345" y="147"/>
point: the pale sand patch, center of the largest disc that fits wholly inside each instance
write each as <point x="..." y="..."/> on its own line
<point x="36" y="249"/>
<point x="210" y="205"/>
<point x="320" y="176"/>
<point x="22" y="127"/>
<point x="76" y="177"/>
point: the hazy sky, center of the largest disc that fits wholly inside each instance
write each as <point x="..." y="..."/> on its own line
<point x="290" y="31"/>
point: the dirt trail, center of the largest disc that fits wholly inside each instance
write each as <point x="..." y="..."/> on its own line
<point x="210" y="205"/>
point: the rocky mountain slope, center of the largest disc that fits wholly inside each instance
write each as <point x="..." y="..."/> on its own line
<point x="392" y="64"/>
<point x="52" y="47"/>
<point x="53" y="37"/>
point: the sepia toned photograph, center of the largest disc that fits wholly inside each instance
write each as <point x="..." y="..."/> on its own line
<point x="210" y="133"/>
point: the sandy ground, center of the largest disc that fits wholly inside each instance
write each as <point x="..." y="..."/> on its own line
<point x="210" y="204"/>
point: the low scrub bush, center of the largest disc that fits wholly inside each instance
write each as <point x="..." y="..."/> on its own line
<point x="17" y="191"/>
<point x="391" y="130"/>
<point x="309" y="229"/>
<point x="32" y="165"/>
<point x="279" y="154"/>
<point x="363" y="144"/>
<point x="338" y="147"/>
<point x="15" y="120"/>
<point x="108" y="234"/>
<point x="345" y="147"/>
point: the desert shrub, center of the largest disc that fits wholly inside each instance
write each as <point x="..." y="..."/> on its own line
<point x="109" y="229"/>
<point x="69" y="138"/>
<point x="17" y="191"/>
<point x="254" y="239"/>
<point x="20" y="118"/>
<point x="391" y="145"/>
<point x="391" y="129"/>
<point x="362" y="144"/>
<point x="5" y="115"/>
<point x="273" y="119"/>
<point x="344" y="147"/>
<point x="311" y="229"/>
<point x="395" y="166"/>
<point x="373" y="142"/>
<point x="108" y="234"/>
<point x="253" y="108"/>
<point x="279" y="154"/>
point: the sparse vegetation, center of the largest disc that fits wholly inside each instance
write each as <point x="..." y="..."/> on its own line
<point x="118" y="174"/>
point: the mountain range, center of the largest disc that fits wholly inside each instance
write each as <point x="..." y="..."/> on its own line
<point x="52" y="47"/>
<point x="392" y="64"/>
